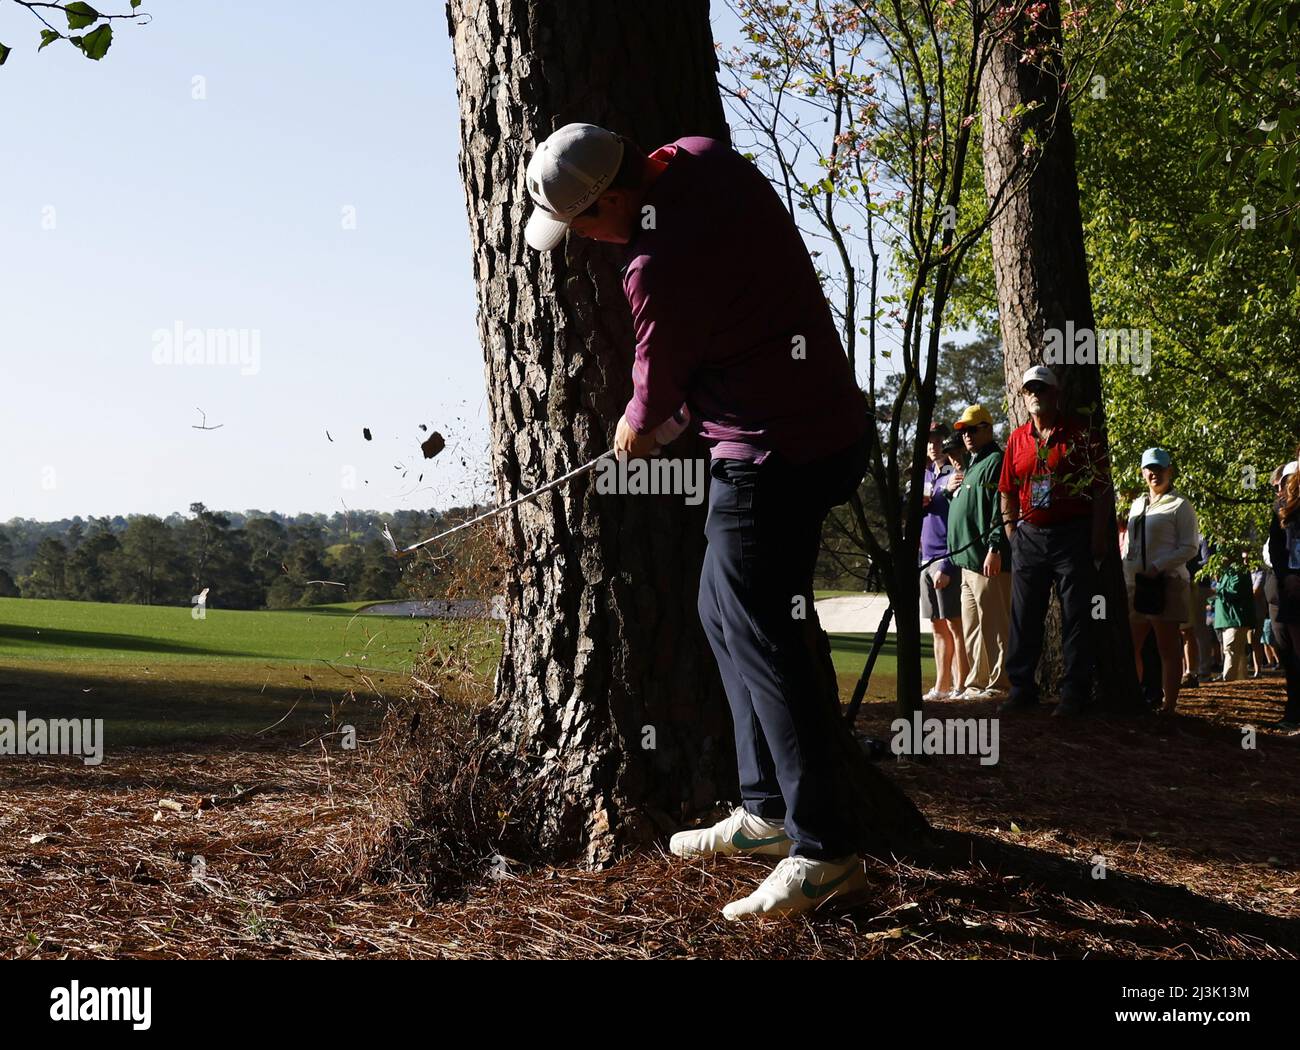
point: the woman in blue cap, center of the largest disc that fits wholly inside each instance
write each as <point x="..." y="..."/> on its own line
<point x="1162" y="539"/>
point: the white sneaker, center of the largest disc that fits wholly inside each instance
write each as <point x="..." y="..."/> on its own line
<point x="800" y="884"/>
<point x="742" y="832"/>
<point x="972" y="693"/>
<point x="933" y="694"/>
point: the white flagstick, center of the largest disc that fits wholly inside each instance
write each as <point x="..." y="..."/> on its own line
<point x="497" y="510"/>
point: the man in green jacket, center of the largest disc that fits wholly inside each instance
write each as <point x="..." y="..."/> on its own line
<point x="978" y="544"/>
<point x="1234" y="615"/>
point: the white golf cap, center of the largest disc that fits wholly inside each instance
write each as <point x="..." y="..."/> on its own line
<point x="1039" y="374"/>
<point x="566" y="174"/>
<point x="1290" y="469"/>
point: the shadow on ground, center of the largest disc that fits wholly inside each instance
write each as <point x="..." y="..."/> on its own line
<point x="1198" y="840"/>
<point x="180" y="704"/>
<point x="142" y="643"/>
<point x="1126" y="788"/>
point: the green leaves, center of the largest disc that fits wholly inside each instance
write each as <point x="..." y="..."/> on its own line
<point x="94" y="44"/>
<point x="80" y="15"/>
<point x="1248" y="75"/>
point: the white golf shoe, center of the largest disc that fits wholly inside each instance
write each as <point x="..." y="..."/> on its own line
<point x="800" y="884"/>
<point x="742" y="832"/>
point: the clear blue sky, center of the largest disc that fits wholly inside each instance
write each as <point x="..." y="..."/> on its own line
<point x="129" y="207"/>
<point x="226" y="213"/>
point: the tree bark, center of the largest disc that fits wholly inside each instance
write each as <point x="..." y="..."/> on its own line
<point x="905" y="593"/>
<point x="1041" y="271"/>
<point x="609" y="716"/>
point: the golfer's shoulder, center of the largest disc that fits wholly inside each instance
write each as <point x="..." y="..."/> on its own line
<point x="714" y="163"/>
<point x="655" y="277"/>
<point x="702" y="145"/>
<point x="710" y="149"/>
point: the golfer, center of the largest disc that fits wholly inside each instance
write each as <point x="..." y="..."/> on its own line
<point x="730" y="319"/>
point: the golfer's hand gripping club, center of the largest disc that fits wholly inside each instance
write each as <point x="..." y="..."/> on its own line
<point x="651" y="444"/>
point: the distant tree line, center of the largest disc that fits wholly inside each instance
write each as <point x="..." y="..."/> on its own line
<point x="249" y="560"/>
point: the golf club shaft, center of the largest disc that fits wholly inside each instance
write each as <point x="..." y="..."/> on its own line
<point x="506" y="506"/>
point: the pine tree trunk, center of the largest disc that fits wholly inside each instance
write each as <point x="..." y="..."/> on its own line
<point x="905" y="593"/>
<point x="1041" y="271"/>
<point x="609" y="714"/>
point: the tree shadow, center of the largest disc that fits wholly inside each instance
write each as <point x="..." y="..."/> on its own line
<point x="183" y="704"/>
<point x="860" y="645"/>
<point x="48" y="636"/>
<point x="1183" y="785"/>
<point x="1177" y="916"/>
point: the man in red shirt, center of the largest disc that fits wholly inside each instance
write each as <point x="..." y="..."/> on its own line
<point x="731" y="320"/>
<point x="1056" y="503"/>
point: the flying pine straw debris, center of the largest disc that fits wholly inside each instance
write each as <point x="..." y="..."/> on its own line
<point x="432" y="445"/>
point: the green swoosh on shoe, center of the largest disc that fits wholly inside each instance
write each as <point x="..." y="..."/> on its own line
<point x="813" y="892"/>
<point x="742" y="841"/>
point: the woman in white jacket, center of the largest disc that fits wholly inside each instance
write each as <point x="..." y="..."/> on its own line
<point x="1162" y="539"/>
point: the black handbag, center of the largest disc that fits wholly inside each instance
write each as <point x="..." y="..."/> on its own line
<point x="1148" y="591"/>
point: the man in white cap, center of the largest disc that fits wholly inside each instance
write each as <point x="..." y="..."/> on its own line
<point x="1057" y="505"/>
<point x="730" y="319"/>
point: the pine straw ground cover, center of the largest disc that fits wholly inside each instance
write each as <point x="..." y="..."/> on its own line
<point x="1202" y="840"/>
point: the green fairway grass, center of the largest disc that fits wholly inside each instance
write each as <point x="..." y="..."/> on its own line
<point x="97" y="631"/>
<point x="347" y="607"/>
<point x="849" y="652"/>
<point x="158" y="675"/>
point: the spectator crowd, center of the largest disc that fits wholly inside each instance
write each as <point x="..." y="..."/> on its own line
<point x="1001" y="527"/>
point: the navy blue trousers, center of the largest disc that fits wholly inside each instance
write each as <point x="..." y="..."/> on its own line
<point x="1060" y="554"/>
<point x="756" y="605"/>
<point x="1288" y="651"/>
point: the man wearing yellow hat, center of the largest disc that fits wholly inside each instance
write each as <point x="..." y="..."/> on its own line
<point x="978" y="545"/>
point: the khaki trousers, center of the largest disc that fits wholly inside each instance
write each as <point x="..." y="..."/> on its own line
<point x="986" y="626"/>
<point x="1234" y="653"/>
